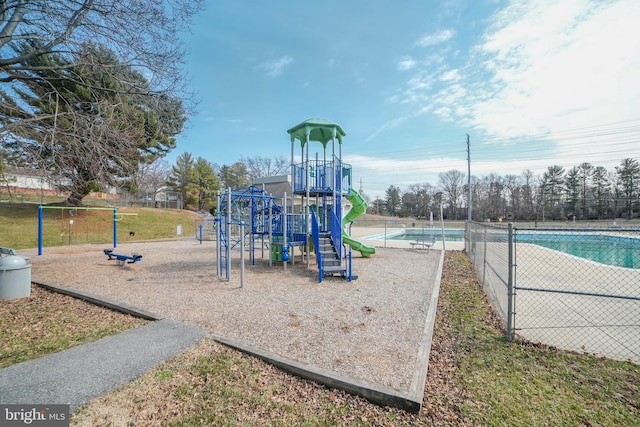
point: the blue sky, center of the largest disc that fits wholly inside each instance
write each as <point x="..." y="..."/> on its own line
<point x="534" y="83"/>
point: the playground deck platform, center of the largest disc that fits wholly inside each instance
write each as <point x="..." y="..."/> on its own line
<point x="370" y="336"/>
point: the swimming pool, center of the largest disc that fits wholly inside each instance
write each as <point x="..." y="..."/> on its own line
<point x="613" y="250"/>
<point x="618" y="251"/>
<point x="450" y="234"/>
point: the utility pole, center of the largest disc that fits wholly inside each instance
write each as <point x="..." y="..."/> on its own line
<point x="468" y="180"/>
<point x="467" y="239"/>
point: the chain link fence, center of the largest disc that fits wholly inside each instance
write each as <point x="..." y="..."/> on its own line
<point x="572" y="288"/>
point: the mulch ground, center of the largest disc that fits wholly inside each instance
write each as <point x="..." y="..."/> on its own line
<point x="31" y="318"/>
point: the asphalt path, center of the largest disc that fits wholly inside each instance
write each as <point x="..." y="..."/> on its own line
<point x="80" y="374"/>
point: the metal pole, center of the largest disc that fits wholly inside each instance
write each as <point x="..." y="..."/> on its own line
<point x="468" y="233"/>
<point x="115" y="227"/>
<point x="218" y="235"/>
<point x="284" y="228"/>
<point x="228" y="249"/>
<point x="510" y="294"/>
<point x="468" y="180"/>
<point x="484" y="256"/>
<point x="270" y="227"/>
<point x="40" y="227"/>
<point x="242" y="254"/>
<point x="442" y="225"/>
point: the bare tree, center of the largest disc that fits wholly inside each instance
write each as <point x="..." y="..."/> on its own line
<point x="528" y="193"/>
<point x="144" y="34"/>
<point x="127" y="111"/>
<point x="79" y="124"/>
<point x="258" y="167"/>
<point x="452" y="184"/>
<point x="417" y="200"/>
<point x="152" y="176"/>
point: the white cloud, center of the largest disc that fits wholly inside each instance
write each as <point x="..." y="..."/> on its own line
<point x="544" y="67"/>
<point x="276" y="67"/>
<point x="577" y="69"/>
<point x="435" y="38"/>
<point x="386" y="126"/>
<point x="450" y="76"/>
<point x="406" y="63"/>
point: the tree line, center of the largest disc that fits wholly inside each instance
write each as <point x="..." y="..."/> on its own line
<point x="198" y="180"/>
<point x="583" y="192"/>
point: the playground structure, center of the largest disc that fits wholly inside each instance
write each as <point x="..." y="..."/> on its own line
<point x="310" y="218"/>
<point x="117" y="216"/>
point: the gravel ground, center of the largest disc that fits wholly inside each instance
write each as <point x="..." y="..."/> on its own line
<point x="368" y="330"/>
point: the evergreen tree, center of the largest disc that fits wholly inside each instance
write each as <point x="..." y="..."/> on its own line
<point x="629" y="178"/>
<point x="551" y="190"/>
<point x="392" y="201"/>
<point x="601" y="189"/>
<point x="183" y="178"/>
<point x="572" y="187"/>
<point x="585" y="173"/>
<point x="76" y="123"/>
<point x="234" y="176"/>
<point x="206" y="183"/>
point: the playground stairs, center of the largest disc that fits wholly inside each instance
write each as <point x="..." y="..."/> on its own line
<point x="331" y="262"/>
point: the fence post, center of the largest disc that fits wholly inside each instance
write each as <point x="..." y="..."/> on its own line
<point x="510" y="295"/>
<point x="484" y="254"/>
<point x="385" y="233"/>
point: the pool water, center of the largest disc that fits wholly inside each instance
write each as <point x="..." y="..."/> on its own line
<point x="611" y="250"/>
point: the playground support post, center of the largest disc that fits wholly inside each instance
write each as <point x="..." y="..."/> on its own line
<point x="218" y="238"/>
<point x="39" y="230"/>
<point x="284" y="226"/>
<point x="115" y="227"/>
<point x="270" y="226"/>
<point x="228" y="235"/>
<point x="242" y="224"/>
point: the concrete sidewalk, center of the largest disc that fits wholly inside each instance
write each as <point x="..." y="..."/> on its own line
<point x="80" y="374"/>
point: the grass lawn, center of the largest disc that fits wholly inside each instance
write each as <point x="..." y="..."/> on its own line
<point x="475" y="377"/>
<point x="19" y="225"/>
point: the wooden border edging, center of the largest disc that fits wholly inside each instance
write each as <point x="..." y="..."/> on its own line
<point x="416" y="391"/>
<point x="378" y="395"/>
<point x="106" y="303"/>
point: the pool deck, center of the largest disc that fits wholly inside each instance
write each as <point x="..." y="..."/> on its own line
<point x="361" y="232"/>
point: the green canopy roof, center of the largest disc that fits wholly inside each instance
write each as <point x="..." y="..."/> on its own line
<point x="319" y="130"/>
